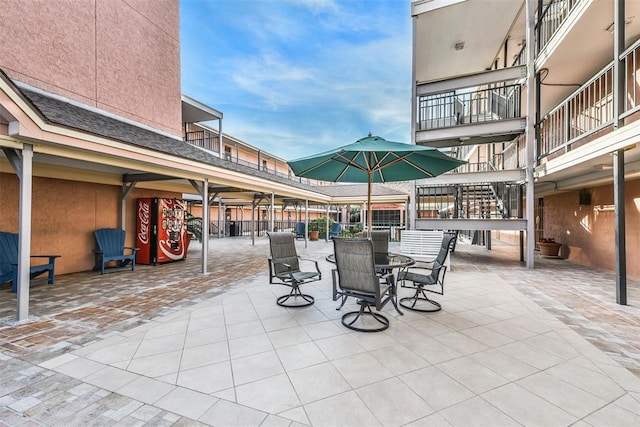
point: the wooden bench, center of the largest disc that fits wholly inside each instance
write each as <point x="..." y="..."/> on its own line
<point x="9" y="263"/>
<point x="422" y="245"/>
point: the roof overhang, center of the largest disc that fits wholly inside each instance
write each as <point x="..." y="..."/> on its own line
<point x="194" y="111"/>
<point x="69" y="153"/>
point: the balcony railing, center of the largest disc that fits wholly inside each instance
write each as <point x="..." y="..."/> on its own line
<point x="204" y="139"/>
<point x="209" y="141"/>
<point x="550" y="19"/>
<point x="469" y="106"/>
<point x="468" y="201"/>
<point x="589" y="110"/>
<point x="585" y="112"/>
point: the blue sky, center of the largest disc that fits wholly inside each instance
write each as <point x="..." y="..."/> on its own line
<point x="297" y="77"/>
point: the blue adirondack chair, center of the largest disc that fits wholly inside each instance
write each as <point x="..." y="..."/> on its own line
<point x="9" y="263"/>
<point x="110" y="248"/>
<point x="300" y="230"/>
<point x="335" y="230"/>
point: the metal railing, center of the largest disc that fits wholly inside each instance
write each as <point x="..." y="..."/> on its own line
<point x="244" y="228"/>
<point x="210" y="141"/>
<point x="471" y="106"/>
<point x="589" y="110"/>
<point x="514" y="154"/>
<point x="204" y="139"/>
<point x="631" y="65"/>
<point x="468" y="201"/>
<point x="586" y="111"/>
<point x="550" y="19"/>
<point x="474" y="167"/>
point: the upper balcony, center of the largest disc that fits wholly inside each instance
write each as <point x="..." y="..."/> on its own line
<point x="474" y="109"/>
<point x="574" y="40"/>
<point x="241" y="153"/>
<point x="579" y="133"/>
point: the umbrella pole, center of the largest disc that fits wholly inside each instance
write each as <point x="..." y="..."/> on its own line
<point x="369" y="210"/>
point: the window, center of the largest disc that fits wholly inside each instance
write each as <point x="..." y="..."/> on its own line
<point x="227" y="153"/>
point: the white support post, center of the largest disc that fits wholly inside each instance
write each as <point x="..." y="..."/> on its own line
<point x="326" y="236"/>
<point x="306" y="221"/>
<point x="411" y="210"/>
<point x="205" y="224"/>
<point x="530" y="129"/>
<point x="273" y="212"/>
<point x="221" y="220"/>
<point x="24" y="244"/>
<point x="253" y="223"/>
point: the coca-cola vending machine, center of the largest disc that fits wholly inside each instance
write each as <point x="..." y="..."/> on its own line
<point x="161" y="231"/>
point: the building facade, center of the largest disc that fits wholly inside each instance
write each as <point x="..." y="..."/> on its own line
<point x="541" y="98"/>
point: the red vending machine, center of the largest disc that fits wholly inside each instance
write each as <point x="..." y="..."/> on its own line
<point x="161" y="231"/>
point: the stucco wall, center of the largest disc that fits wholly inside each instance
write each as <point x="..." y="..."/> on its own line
<point x="587" y="231"/>
<point x="66" y="213"/>
<point x="83" y="49"/>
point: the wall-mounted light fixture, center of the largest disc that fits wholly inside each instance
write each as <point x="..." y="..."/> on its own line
<point x="459" y="45"/>
<point x="585" y="198"/>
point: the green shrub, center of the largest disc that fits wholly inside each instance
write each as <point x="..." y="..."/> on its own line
<point x="320" y="225"/>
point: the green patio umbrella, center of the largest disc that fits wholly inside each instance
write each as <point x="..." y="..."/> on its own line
<point x="374" y="159"/>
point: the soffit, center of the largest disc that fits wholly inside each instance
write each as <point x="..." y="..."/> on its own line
<point x="481" y="24"/>
<point x="587" y="47"/>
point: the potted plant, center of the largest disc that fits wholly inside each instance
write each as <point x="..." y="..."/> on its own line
<point x="314" y="232"/>
<point x="318" y="228"/>
<point x="548" y="246"/>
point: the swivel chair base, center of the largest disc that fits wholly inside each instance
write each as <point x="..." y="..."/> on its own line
<point x="420" y="303"/>
<point x="369" y="314"/>
<point x="298" y="299"/>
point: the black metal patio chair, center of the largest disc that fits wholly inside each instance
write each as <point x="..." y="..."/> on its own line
<point x="284" y="269"/>
<point x="426" y="277"/>
<point x="355" y="276"/>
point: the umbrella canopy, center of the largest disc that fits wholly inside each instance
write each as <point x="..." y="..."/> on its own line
<point x="374" y="159"/>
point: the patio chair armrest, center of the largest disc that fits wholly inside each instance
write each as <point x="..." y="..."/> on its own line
<point x="390" y="280"/>
<point x="282" y="263"/>
<point x="132" y="248"/>
<point x="424" y="263"/>
<point x="387" y="276"/>
<point x="419" y="268"/>
<point x="313" y="261"/>
<point x="334" y="278"/>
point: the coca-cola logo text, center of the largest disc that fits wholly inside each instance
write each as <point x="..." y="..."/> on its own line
<point x="143" y="221"/>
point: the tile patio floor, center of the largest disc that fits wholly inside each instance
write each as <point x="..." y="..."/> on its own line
<point x="165" y="345"/>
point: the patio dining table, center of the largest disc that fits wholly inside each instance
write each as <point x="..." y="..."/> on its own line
<point x="385" y="260"/>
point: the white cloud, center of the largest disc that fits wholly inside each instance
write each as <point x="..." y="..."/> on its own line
<point x="309" y="75"/>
